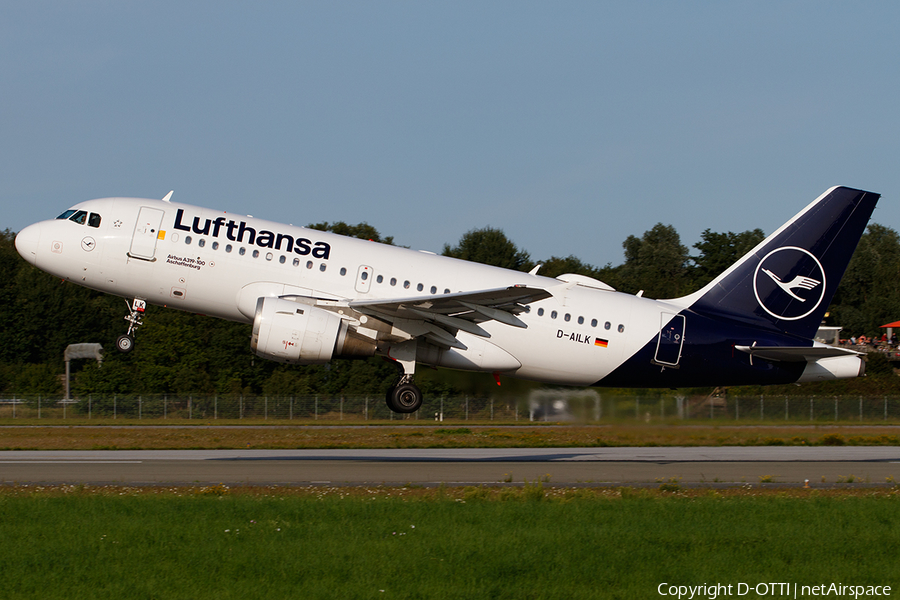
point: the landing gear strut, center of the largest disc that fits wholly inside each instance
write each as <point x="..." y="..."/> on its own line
<point x="125" y="343"/>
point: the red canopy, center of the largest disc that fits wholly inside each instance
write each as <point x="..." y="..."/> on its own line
<point x="894" y="324"/>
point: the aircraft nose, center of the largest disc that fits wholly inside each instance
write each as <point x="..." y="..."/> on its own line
<point x="27" y="242"/>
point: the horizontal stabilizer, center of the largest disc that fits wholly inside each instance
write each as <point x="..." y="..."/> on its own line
<point x="795" y="353"/>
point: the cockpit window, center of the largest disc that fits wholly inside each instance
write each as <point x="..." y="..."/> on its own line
<point x="80" y="216"/>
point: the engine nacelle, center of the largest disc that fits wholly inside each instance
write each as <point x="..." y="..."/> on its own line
<point x="296" y="333"/>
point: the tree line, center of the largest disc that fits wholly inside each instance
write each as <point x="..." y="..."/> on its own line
<point x="180" y="353"/>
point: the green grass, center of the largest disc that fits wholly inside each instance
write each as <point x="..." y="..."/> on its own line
<point x="339" y="545"/>
<point x="134" y="436"/>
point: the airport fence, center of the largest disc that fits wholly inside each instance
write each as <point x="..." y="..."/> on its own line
<point x="588" y="406"/>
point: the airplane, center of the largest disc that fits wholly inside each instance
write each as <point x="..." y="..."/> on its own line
<point x="314" y="296"/>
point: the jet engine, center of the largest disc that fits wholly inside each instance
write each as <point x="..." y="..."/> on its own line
<point x="291" y="332"/>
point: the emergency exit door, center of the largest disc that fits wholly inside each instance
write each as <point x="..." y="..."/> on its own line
<point x="364" y="279"/>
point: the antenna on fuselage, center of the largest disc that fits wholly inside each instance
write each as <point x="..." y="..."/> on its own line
<point x="168" y="196"/>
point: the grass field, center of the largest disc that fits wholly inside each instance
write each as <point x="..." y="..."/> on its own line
<point x="409" y="543"/>
<point x="114" y="435"/>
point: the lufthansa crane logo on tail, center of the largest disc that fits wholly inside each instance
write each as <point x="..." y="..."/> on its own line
<point x="789" y="283"/>
<point x="800" y="282"/>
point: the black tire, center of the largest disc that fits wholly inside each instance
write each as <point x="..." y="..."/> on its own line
<point x="404" y="398"/>
<point x="125" y="344"/>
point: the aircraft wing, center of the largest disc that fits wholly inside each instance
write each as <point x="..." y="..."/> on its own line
<point x="795" y="353"/>
<point x="439" y="317"/>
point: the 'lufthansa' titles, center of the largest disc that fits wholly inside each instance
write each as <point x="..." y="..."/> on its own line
<point x="242" y="233"/>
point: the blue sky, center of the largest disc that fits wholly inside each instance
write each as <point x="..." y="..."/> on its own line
<point x="569" y="125"/>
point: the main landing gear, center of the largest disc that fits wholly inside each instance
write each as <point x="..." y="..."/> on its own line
<point x="404" y="396"/>
<point x="125" y="343"/>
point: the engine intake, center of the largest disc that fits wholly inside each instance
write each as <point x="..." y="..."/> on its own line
<point x="291" y="332"/>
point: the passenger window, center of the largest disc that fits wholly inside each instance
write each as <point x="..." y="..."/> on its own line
<point x="553" y="314"/>
<point x="581" y="320"/>
<point x="187" y="240"/>
<point x="593" y="322"/>
<point x="393" y="281"/>
<point x="322" y="267"/>
<point x="621" y="329"/>
<point x="79" y="217"/>
<point x="380" y="279"/>
<point x="296" y="262"/>
<point x="343" y="271"/>
<point x="215" y="245"/>
<point x="433" y="290"/>
<point x="227" y="247"/>
<point x="420" y="287"/>
<point x="607" y="325"/>
<point x="309" y="264"/>
<point x="364" y="276"/>
<point x="256" y="254"/>
<point x="94" y="220"/>
<point x="568" y="317"/>
<point x="540" y="312"/>
<point x="406" y="285"/>
<point x="282" y="259"/>
<point x="201" y="242"/>
<point x="446" y="290"/>
<point x="269" y="256"/>
<point x="242" y="251"/>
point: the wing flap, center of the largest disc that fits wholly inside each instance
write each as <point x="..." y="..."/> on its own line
<point x="445" y="314"/>
<point x="508" y="299"/>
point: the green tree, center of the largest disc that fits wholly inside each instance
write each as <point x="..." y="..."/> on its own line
<point x="867" y="296"/>
<point x="491" y="247"/>
<point x="40" y="315"/>
<point x="363" y="231"/>
<point x="656" y="263"/>
<point x="556" y="266"/>
<point x="718" y="251"/>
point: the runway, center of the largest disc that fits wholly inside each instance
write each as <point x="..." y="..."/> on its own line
<point x="558" y="466"/>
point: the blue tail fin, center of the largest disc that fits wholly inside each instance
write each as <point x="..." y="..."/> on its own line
<point x="787" y="282"/>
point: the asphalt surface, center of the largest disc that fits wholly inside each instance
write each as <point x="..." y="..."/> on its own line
<point x="822" y="466"/>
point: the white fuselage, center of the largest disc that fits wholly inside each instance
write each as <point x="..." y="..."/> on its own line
<point x="206" y="261"/>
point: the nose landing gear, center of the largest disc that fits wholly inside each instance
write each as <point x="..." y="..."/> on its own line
<point x="125" y="343"/>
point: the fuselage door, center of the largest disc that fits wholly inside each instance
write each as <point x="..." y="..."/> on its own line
<point x="363" y="279"/>
<point x="671" y="337"/>
<point x="146" y="232"/>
